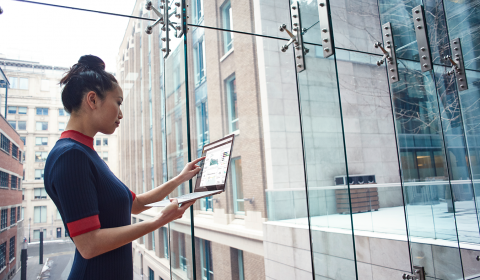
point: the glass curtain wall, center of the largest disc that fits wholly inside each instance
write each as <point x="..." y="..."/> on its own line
<point x="338" y="171"/>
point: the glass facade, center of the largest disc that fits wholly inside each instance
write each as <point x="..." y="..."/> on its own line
<point x="338" y="171"/>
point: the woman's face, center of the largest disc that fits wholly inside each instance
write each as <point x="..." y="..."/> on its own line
<point x="109" y="113"/>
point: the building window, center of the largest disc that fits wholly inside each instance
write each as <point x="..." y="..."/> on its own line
<point x="105" y="141"/>
<point x="13" y="182"/>
<point x="42" y="111"/>
<point x="13" y="124"/>
<point x="181" y="252"/>
<point x="39" y="174"/>
<point x="206" y="259"/>
<point x="165" y="242"/>
<point x="23" y="213"/>
<point x="41" y="141"/>
<point x="45" y="86"/>
<point x="98" y="141"/>
<point x="197" y="11"/>
<point x="59" y="217"/>
<point x="41" y="156"/>
<point x="151" y="274"/>
<point x="14" y="151"/>
<point x="13" y="215"/>
<point x="3" y="255"/>
<point x="237" y="186"/>
<point x="11" y="254"/>
<point x="153" y="240"/>
<point x="105" y="156"/>
<point x="5" y="145"/>
<point x="3" y="223"/>
<point x="232" y="104"/>
<point x="61" y="112"/>
<point x="227" y="24"/>
<point x="23" y="84"/>
<point x="40" y="214"/>
<point x="59" y="232"/>
<point x="18" y="83"/>
<point x="22" y="125"/>
<point x="24" y="139"/>
<point x="12" y="109"/>
<point x="40" y="193"/>
<point x="22" y="110"/>
<point x="19" y="213"/>
<point x="61" y="126"/>
<point x="3" y="179"/>
<point x="199" y="61"/>
<point x="36" y="234"/>
<point x="42" y="125"/>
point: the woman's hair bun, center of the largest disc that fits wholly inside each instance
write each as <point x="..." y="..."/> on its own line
<point x="92" y="62"/>
<point x="88" y="74"/>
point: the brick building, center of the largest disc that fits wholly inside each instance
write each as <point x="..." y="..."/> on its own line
<point x="11" y="170"/>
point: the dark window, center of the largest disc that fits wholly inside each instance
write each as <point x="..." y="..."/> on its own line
<point x="105" y="141"/>
<point x="11" y="254"/>
<point x="22" y="125"/>
<point x="3" y="223"/>
<point x="42" y="111"/>
<point x="151" y="274"/>
<point x="61" y="112"/>
<point x="3" y="255"/>
<point x="13" y="216"/>
<point x="59" y="232"/>
<point x="12" y="109"/>
<point x="13" y="124"/>
<point x="13" y="182"/>
<point x="15" y="151"/>
<point x="98" y="141"/>
<point x="5" y="145"/>
<point x="24" y="139"/>
<point x="3" y="179"/>
<point x="19" y="216"/>
<point x="22" y="110"/>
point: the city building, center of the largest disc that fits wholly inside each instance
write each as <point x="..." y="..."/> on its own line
<point x="11" y="170"/>
<point x="35" y="110"/>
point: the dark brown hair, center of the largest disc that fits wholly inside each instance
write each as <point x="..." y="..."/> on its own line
<point x="87" y="75"/>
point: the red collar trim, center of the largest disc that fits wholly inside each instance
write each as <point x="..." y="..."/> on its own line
<point x="79" y="137"/>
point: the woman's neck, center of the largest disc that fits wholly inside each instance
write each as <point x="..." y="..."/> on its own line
<point x="82" y="125"/>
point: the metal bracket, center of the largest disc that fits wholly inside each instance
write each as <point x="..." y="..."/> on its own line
<point x="458" y="68"/>
<point x="164" y="20"/>
<point x="422" y="39"/>
<point x="323" y="14"/>
<point x="297" y="38"/>
<point x="388" y="53"/>
<point x="418" y="274"/>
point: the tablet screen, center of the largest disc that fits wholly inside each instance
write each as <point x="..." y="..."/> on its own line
<point x="215" y="166"/>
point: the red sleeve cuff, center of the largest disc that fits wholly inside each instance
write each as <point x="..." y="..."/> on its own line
<point x="83" y="225"/>
<point x="133" y="195"/>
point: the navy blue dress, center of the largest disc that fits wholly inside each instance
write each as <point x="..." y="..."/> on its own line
<point x="89" y="196"/>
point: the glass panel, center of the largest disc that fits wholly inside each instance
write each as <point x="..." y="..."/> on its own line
<point x="242" y="16"/>
<point x="265" y="191"/>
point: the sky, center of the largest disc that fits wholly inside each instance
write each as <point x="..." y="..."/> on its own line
<point x="58" y="36"/>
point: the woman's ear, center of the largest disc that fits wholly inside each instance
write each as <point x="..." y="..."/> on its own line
<point x="91" y="99"/>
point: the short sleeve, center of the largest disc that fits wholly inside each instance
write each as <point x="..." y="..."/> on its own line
<point x="133" y="196"/>
<point x="74" y="183"/>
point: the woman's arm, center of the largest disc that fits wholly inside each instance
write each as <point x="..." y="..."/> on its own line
<point x="100" y="241"/>
<point x="157" y="194"/>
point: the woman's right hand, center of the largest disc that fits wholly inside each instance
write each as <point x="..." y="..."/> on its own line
<point x="172" y="211"/>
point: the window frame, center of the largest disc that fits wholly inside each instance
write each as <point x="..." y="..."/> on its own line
<point x="42" y="110"/>
<point x="236" y="199"/>
<point x="40" y="215"/>
<point x="230" y="89"/>
<point x="227" y="23"/>
<point x="42" y="126"/>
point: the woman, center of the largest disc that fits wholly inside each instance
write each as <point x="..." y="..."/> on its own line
<point x="96" y="206"/>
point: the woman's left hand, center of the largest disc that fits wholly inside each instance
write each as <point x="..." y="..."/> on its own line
<point x="191" y="169"/>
